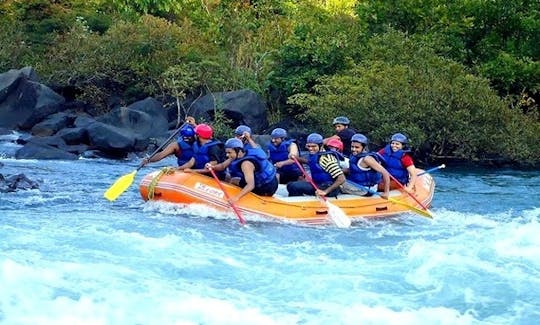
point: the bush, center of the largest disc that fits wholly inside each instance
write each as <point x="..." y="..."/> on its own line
<point x="402" y="86"/>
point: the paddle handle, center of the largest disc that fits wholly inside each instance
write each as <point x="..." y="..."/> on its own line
<point x="306" y="175"/>
<point x="432" y="170"/>
<point x="233" y="206"/>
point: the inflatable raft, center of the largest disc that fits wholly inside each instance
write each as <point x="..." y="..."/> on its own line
<point x="192" y="188"/>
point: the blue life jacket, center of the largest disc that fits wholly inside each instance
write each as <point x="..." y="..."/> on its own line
<point x="202" y="158"/>
<point x="319" y="175"/>
<point x="265" y="172"/>
<point x="187" y="151"/>
<point x="281" y="153"/>
<point x="368" y="177"/>
<point x="392" y="163"/>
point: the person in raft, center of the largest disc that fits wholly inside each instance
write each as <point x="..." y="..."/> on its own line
<point x="249" y="169"/>
<point x="325" y="171"/>
<point x="243" y="132"/>
<point x="337" y="146"/>
<point x="364" y="169"/>
<point x="343" y="133"/>
<point x="398" y="162"/>
<point x="184" y="148"/>
<point x="210" y="151"/>
<point x="280" y="151"/>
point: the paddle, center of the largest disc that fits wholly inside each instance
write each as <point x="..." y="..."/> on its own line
<point x="121" y="184"/>
<point x="409" y="194"/>
<point x="338" y="217"/>
<point x="410" y="207"/>
<point x="233" y="206"/>
<point x="432" y="170"/>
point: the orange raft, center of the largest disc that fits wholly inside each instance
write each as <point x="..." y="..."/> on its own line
<point x="178" y="187"/>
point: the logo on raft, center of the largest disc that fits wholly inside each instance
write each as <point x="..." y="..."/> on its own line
<point x="209" y="190"/>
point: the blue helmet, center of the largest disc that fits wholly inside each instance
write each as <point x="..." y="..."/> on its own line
<point x="399" y="137"/>
<point x="241" y="129"/>
<point x="187" y="131"/>
<point x="341" y="120"/>
<point x="233" y="143"/>
<point x="278" y="133"/>
<point x="360" y="138"/>
<point x="315" y="138"/>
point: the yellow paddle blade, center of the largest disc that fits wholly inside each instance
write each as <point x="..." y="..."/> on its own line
<point x="338" y="216"/>
<point x="412" y="208"/>
<point x="119" y="186"/>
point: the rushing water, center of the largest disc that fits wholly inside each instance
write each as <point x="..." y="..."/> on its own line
<point x="68" y="256"/>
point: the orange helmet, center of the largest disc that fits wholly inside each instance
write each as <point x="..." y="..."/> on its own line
<point x="336" y="143"/>
<point x="204" y="131"/>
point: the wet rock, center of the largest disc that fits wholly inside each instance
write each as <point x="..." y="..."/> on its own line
<point x="12" y="183"/>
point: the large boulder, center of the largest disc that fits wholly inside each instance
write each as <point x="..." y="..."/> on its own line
<point x="33" y="150"/>
<point x="146" y="118"/>
<point x="24" y="102"/>
<point x="52" y="124"/>
<point x="126" y="129"/>
<point x="110" y="139"/>
<point x="242" y="106"/>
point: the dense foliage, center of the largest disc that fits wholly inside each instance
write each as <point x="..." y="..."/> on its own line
<point x="461" y="78"/>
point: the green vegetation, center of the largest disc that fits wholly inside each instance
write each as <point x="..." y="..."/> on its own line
<point x="461" y="78"/>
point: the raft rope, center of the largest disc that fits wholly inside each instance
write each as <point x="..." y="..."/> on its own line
<point x="155" y="180"/>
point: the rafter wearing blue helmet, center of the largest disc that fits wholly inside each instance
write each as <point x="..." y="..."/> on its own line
<point x="365" y="170"/>
<point x="243" y="132"/>
<point x="280" y="151"/>
<point x="398" y="161"/>
<point x="249" y="169"/>
<point x="343" y="133"/>
<point x="324" y="168"/>
<point x="184" y="148"/>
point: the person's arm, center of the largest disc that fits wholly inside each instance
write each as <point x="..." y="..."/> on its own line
<point x="412" y="178"/>
<point x="293" y="152"/>
<point x="219" y="167"/>
<point x="249" y="139"/>
<point x="248" y="169"/>
<point x="169" y="150"/>
<point x="374" y="164"/>
<point x="330" y="164"/>
<point x="411" y="169"/>
<point x="186" y="167"/>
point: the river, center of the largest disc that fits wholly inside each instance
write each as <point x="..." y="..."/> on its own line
<point x="68" y="256"/>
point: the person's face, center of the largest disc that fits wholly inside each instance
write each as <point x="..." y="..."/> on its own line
<point x="231" y="153"/>
<point x="339" y="127"/>
<point x="331" y="148"/>
<point x="277" y="141"/>
<point x="356" y="148"/>
<point x="396" y="145"/>
<point x="312" y="147"/>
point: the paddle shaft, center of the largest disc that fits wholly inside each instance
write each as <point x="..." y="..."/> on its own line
<point x="338" y="217"/>
<point x="432" y="170"/>
<point x="233" y="206"/>
<point x="163" y="144"/>
<point x="306" y="175"/>
<point x="405" y="190"/>
<point x="421" y="212"/>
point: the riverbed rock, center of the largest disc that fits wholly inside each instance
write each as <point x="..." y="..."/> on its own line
<point x="12" y="183"/>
